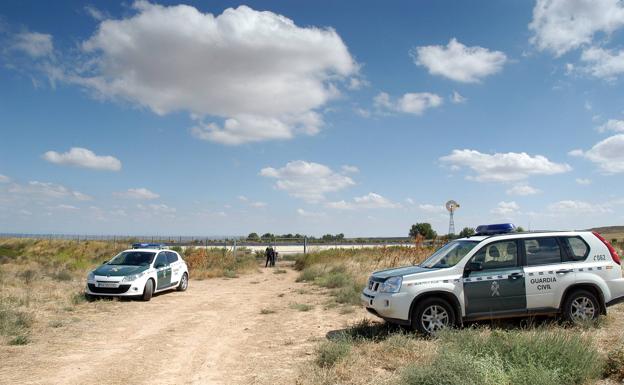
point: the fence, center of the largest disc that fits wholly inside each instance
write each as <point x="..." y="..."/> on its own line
<point x="284" y="246"/>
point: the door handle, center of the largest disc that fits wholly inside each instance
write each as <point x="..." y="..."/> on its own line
<point x="564" y="271"/>
<point x="515" y="275"/>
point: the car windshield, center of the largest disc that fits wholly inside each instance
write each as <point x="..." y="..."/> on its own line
<point x="133" y="258"/>
<point x="449" y="255"/>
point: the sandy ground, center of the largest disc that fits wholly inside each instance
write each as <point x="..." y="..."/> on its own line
<point x="214" y="333"/>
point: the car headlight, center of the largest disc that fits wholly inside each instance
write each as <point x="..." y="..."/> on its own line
<point x="91" y="276"/>
<point x="391" y="285"/>
<point x="133" y="277"/>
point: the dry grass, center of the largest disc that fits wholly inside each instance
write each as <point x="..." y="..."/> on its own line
<point x="215" y="262"/>
<point x="42" y="281"/>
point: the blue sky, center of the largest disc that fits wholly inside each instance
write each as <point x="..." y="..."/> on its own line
<point x="222" y="118"/>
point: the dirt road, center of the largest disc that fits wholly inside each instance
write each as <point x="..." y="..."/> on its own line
<point x="214" y="333"/>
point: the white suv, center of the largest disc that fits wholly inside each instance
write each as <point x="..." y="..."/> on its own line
<point x="500" y="273"/>
<point x="139" y="272"/>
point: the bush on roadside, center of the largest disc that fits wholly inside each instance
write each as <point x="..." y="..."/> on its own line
<point x="539" y="356"/>
<point x="14" y="324"/>
<point x="329" y="353"/>
<point x="614" y="368"/>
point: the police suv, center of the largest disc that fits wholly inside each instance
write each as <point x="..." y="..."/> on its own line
<point x="140" y="272"/>
<point x="501" y="273"/>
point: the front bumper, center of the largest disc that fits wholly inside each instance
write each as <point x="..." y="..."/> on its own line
<point x="109" y="286"/>
<point x="393" y="307"/>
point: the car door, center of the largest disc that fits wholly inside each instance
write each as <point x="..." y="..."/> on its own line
<point x="174" y="263"/>
<point x="549" y="271"/>
<point x="163" y="271"/>
<point x="494" y="280"/>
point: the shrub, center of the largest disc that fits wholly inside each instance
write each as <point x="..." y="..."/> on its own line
<point x="514" y="357"/>
<point x="21" y="339"/>
<point x="301" y="306"/>
<point x="267" y="311"/>
<point x="330" y="352"/>
<point x="62" y="275"/>
<point x="13" y="323"/>
<point x="280" y="271"/>
<point x="78" y="298"/>
<point x="334" y="279"/>
<point x="614" y="367"/>
<point x="28" y="276"/>
<point x="309" y="274"/>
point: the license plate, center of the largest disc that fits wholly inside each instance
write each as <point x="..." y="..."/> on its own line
<point x="107" y="284"/>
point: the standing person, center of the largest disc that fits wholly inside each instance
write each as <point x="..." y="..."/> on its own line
<point x="269" y="255"/>
<point x="274" y="258"/>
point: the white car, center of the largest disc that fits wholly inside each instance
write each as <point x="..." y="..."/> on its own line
<point x="139" y="272"/>
<point x="501" y="273"/>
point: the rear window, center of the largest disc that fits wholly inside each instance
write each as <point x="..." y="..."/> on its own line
<point x="542" y="251"/>
<point x="577" y="248"/>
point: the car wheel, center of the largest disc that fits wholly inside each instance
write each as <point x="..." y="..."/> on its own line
<point x="148" y="291"/>
<point x="581" y="306"/>
<point x="183" y="283"/>
<point x="90" y="297"/>
<point x="432" y="315"/>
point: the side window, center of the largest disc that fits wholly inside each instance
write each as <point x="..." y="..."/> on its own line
<point x="542" y="251"/>
<point x="577" y="248"/>
<point x="171" y="257"/>
<point x="161" y="259"/>
<point x="498" y="255"/>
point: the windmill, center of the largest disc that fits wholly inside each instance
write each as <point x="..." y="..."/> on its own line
<point x="451" y="206"/>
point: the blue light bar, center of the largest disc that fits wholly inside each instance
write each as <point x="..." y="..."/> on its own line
<point x="499" y="228"/>
<point x="148" y="245"/>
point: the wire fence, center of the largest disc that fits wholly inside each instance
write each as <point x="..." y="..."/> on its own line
<point x="298" y="245"/>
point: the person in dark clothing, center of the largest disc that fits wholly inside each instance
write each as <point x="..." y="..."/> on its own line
<point x="274" y="259"/>
<point x="269" y="256"/>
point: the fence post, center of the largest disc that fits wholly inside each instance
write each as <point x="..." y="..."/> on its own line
<point x="305" y="245"/>
<point x="234" y="249"/>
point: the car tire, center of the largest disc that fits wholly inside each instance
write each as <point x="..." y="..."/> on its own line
<point x="580" y="306"/>
<point x="432" y="315"/>
<point x="148" y="291"/>
<point x="183" y="283"/>
<point x="90" y="297"/>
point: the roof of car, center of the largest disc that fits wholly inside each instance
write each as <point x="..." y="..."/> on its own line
<point x="480" y="238"/>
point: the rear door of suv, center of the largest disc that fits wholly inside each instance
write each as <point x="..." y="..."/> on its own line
<point x="549" y="270"/>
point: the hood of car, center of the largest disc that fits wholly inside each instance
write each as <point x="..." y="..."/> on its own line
<point x="118" y="270"/>
<point x="401" y="271"/>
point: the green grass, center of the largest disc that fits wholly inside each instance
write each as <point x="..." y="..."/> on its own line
<point x="301" y="306"/>
<point x="329" y="353"/>
<point x="614" y="367"/>
<point x="516" y="357"/>
<point x="230" y="274"/>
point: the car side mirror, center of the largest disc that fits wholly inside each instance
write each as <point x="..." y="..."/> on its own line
<point x="104" y="262"/>
<point x="475" y="266"/>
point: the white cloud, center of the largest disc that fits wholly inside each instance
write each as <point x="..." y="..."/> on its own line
<point x="457" y="98"/>
<point x="603" y="63"/>
<point x="244" y="75"/>
<point x="432" y="209"/>
<point x="242" y="198"/>
<point x="157" y="208"/>
<point x="503" y="167"/>
<point x="410" y="103"/>
<point x="82" y="157"/>
<point x="369" y="201"/>
<point x="310" y="214"/>
<point x="34" y="44"/>
<point x="64" y="207"/>
<point x="562" y="25"/>
<point x="348" y="169"/>
<point x="258" y="205"/>
<point x="612" y="125"/>
<point x="577" y="207"/>
<point x="45" y="191"/>
<point x="137" y="193"/>
<point x="307" y="180"/>
<point x="362" y="112"/>
<point x="410" y="201"/>
<point x="459" y="62"/>
<point x="95" y="13"/>
<point x="582" y="181"/>
<point x="608" y="154"/>
<point x="522" y="189"/>
<point x="4" y="179"/>
<point x="505" y="208"/>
